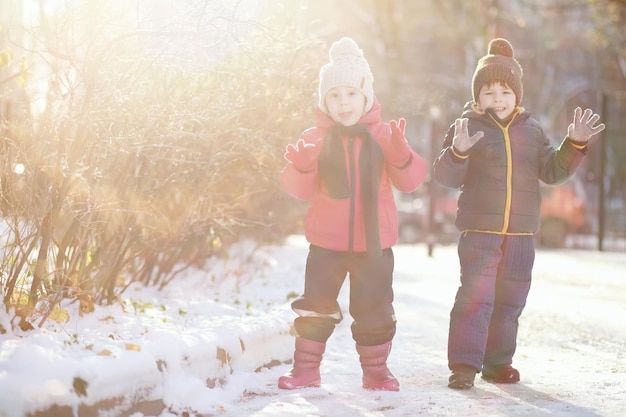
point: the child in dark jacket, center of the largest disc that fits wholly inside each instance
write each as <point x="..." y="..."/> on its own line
<point x="345" y="166"/>
<point x="496" y="153"/>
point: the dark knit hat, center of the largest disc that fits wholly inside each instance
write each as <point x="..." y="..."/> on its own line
<point x="498" y="65"/>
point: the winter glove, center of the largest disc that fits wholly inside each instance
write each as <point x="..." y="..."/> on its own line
<point x="582" y="128"/>
<point x="462" y="141"/>
<point x="303" y="155"/>
<point x="397" y="150"/>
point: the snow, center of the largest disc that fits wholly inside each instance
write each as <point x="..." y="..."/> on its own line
<point x="214" y="342"/>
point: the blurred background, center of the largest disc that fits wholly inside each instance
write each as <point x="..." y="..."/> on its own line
<point x="140" y="137"/>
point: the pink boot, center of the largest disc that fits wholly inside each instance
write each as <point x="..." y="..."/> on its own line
<point x="306" y="365"/>
<point x="376" y="375"/>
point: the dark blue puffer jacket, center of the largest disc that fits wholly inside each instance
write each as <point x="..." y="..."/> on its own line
<point x="499" y="180"/>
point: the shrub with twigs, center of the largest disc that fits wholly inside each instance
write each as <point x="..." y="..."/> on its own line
<point x="139" y="167"/>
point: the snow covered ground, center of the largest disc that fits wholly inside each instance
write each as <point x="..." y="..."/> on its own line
<point x="215" y="343"/>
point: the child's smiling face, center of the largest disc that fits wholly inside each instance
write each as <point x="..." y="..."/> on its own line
<point x="497" y="96"/>
<point x="345" y="105"/>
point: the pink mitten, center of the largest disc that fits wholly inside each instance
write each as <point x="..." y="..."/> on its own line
<point x="397" y="150"/>
<point x="303" y="155"/>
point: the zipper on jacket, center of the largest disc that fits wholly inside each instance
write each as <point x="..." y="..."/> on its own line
<point x="509" y="171"/>
<point x="352" y="181"/>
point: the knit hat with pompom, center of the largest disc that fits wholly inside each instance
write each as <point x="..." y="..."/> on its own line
<point x="347" y="67"/>
<point x="498" y="65"/>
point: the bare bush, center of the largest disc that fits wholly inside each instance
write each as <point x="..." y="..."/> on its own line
<point x="145" y="160"/>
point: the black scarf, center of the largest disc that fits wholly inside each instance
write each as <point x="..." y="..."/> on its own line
<point x="334" y="173"/>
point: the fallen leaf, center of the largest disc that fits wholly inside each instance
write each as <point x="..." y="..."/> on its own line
<point x="132" y="346"/>
<point x="105" y="352"/>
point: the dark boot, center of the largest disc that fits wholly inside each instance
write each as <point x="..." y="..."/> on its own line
<point x="376" y="375"/>
<point x="501" y="374"/>
<point x="306" y="365"/>
<point x="462" y="377"/>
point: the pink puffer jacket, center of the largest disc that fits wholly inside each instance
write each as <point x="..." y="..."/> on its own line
<point x="328" y="220"/>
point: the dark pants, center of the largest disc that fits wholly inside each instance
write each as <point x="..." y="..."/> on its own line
<point x="371" y="296"/>
<point x="495" y="279"/>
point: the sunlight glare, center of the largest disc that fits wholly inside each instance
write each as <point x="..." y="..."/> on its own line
<point x="19" y="169"/>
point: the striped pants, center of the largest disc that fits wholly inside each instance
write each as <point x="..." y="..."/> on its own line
<point x="495" y="280"/>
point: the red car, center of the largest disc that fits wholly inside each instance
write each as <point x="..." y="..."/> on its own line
<point x="562" y="212"/>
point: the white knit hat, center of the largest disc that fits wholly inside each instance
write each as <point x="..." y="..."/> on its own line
<point x="347" y="67"/>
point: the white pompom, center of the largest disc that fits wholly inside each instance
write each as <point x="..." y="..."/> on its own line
<point x="344" y="46"/>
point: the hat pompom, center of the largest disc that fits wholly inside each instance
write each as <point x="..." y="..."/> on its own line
<point x="500" y="46"/>
<point x="344" y="46"/>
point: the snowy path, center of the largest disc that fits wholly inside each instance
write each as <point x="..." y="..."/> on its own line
<point x="571" y="346"/>
<point x="570" y="355"/>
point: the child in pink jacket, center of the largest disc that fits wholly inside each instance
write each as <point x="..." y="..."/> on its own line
<point x="346" y="167"/>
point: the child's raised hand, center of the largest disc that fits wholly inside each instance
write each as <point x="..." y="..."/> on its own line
<point x="582" y="128"/>
<point x="462" y="141"/>
<point x="397" y="128"/>
<point x="397" y="150"/>
<point x="303" y="155"/>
